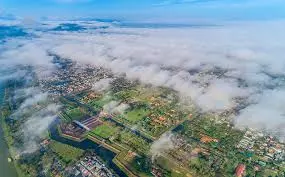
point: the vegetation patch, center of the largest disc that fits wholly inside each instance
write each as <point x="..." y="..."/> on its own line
<point x="104" y="131"/>
<point x="133" y="141"/>
<point x="66" y="152"/>
<point x="75" y="113"/>
<point x="98" y="104"/>
<point x="136" y="115"/>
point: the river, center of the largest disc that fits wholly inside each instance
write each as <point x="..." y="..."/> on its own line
<point x="6" y="169"/>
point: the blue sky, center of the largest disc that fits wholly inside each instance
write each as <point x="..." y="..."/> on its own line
<point x="148" y="9"/>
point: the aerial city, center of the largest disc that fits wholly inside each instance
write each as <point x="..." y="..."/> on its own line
<point x="145" y="88"/>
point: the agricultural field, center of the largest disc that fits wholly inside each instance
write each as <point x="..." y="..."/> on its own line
<point x="171" y="168"/>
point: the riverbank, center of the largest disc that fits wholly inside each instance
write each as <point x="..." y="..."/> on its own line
<point x="7" y="169"/>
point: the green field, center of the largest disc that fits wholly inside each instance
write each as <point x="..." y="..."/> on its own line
<point x="75" y="114"/>
<point x="98" y="104"/>
<point x="136" y="115"/>
<point x="66" y="152"/>
<point x="133" y="141"/>
<point x="104" y="131"/>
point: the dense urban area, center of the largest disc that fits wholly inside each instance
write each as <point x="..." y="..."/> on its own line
<point x="121" y="127"/>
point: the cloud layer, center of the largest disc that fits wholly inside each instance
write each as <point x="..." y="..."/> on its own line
<point x="237" y="66"/>
<point x="36" y="112"/>
<point x="162" y="145"/>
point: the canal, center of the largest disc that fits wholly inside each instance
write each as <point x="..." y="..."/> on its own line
<point x="86" y="144"/>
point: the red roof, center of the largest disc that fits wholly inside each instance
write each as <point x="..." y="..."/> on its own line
<point x="162" y="118"/>
<point x="240" y="170"/>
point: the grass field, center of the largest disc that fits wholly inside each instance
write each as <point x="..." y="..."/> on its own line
<point x="75" y="113"/>
<point x="136" y="115"/>
<point x="66" y="152"/>
<point x="173" y="167"/>
<point x="104" y="131"/>
<point x="135" y="142"/>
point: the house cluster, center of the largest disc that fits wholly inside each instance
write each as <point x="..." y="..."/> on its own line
<point x="91" y="166"/>
<point x="267" y="147"/>
<point x="207" y="139"/>
<point x="156" y="172"/>
<point x="183" y="150"/>
<point x="44" y="144"/>
<point x="240" y="170"/>
<point x="56" y="167"/>
<point x="156" y="102"/>
<point x="272" y="150"/>
<point x="73" y="79"/>
<point x="165" y="118"/>
<point x="158" y="120"/>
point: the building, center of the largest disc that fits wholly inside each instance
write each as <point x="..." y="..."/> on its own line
<point x="208" y="139"/>
<point x="240" y="169"/>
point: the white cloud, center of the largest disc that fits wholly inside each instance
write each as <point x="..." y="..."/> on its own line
<point x="163" y="57"/>
<point x="267" y="113"/>
<point x="121" y="108"/>
<point x="109" y="107"/>
<point x="102" y="84"/>
<point x="36" y="112"/>
<point x="36" y="126"/>
<point x="34" y="99"/>
<point x="26" y="53"/>
<point x="214" y="66"/>
<point x="162" y="145"/>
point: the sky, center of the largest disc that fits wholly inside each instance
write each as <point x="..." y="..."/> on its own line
<point x="166" y="10"/>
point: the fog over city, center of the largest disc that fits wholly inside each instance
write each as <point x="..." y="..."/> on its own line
<point x="229" y="66"/>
